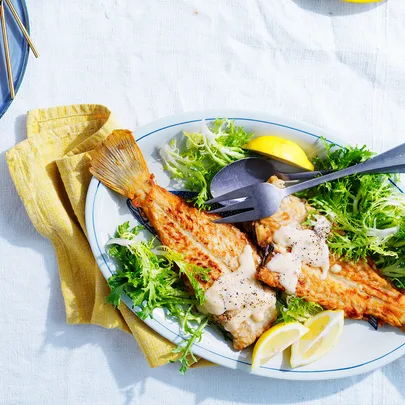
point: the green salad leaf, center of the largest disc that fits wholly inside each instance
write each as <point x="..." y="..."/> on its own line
<point x="152" y="278"/>
<point x="204" y="154"/>
<point x="295" y="309"/>
<point x="366" y="210"/>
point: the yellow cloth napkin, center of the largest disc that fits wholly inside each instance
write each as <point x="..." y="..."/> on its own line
<point x="50" y="170"/>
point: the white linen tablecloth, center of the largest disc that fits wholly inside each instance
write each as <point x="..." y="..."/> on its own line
<point x="335" y="65"/>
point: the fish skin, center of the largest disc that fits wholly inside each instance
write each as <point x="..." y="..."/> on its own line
<point x="203" y="243"/>
<point x="192" y="232"/>
<point x="357" y="289"/>
<point x="118" y="163"/>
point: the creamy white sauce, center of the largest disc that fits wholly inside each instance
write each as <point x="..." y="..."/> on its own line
<point x="336" y="268"/>
<point x="297" y="247"/>
<point x="288" y="265"/>
<point x="322" y="227"/>
<point x="239" y="291"/>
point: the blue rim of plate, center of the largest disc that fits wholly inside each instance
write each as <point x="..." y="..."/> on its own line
<point x="179" y="337"/>
<point x="23" y="65"/>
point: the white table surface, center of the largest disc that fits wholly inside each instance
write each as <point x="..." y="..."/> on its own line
<point x="333" y="65"/>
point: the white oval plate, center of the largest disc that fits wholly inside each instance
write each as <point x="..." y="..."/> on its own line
<point x="360" y="348"/>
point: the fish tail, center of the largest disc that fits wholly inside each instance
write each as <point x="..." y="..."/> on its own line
<point x="119" y="164"/>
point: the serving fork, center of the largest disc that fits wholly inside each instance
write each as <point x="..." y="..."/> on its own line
<point x="262" y="200"/>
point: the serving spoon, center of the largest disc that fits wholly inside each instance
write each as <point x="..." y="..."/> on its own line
<point x="248" y="171"/>
<point x="263" y="199"/>
<point x="251" y="170"/>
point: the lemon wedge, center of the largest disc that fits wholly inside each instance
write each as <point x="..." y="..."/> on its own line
<point x="325" y="330"/>
<point x="275" y="340"/>
<point x="280" y="149"/>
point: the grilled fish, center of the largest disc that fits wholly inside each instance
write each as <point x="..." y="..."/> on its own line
<point x="356" y="288"/>
<point x="118" y="163"/>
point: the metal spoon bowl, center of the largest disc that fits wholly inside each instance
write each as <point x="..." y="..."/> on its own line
<point x="248" y="171"/>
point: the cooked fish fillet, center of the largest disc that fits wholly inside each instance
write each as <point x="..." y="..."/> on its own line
<point x="357" y="288"/>
<point x="119" y="164"/>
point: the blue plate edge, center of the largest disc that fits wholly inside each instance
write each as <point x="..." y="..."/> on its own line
<point x="25" y="61"/>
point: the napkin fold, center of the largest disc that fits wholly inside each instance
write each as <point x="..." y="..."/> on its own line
<point x="50" y="170"/>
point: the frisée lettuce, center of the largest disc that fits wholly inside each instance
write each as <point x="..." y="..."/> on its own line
<point x="366" y="210"/>
<point x="296" y="309"/>
<point x="205" y="153"/>
<point x="151" y="276"/>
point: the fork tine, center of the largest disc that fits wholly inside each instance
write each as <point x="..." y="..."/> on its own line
<point x="241" y="193"/>
<point x="234" y="207"/>
<point x="252" y="215"/>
